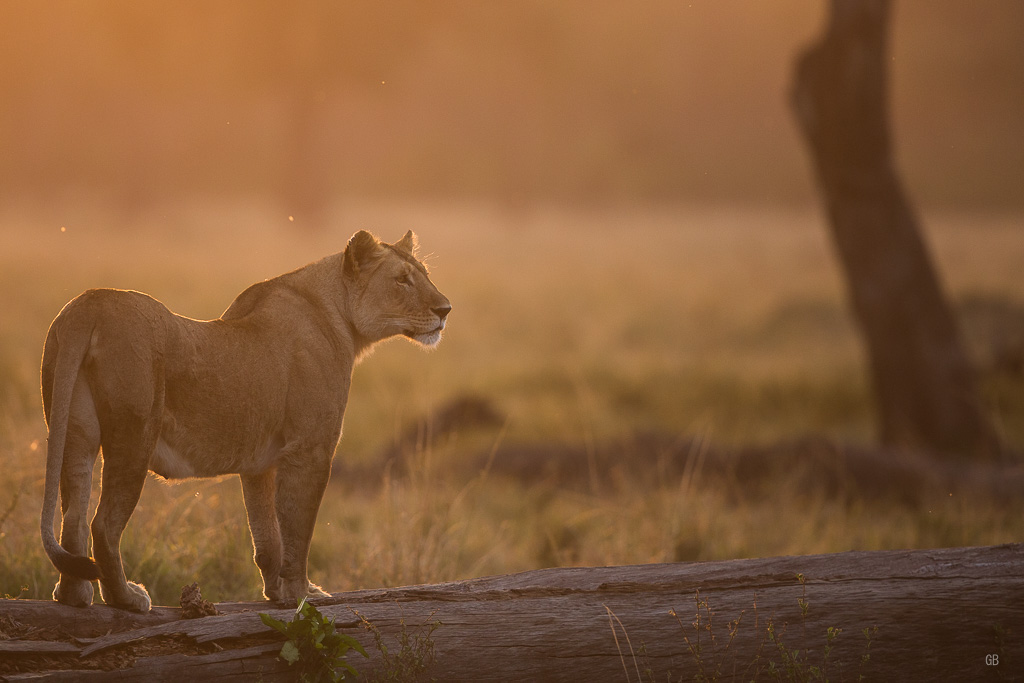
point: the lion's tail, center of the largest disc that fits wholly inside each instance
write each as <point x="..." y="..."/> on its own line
<point x="69" y="360"/>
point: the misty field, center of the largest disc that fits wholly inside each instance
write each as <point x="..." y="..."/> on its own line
<point x="578" y="339"/>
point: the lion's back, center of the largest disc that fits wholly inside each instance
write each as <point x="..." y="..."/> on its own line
<point x="117" y="305"/>
<point x="111" y="316"/>
<point x="114" y="327"/>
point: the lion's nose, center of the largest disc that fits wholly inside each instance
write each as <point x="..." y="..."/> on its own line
<point x="442" y="312"/>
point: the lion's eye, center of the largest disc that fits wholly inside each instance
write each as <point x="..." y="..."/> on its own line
<point x="404" y="280"/>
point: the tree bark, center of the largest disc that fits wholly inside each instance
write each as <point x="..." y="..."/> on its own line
<point x="950" y="614"/>
<point x="924" y="384"/>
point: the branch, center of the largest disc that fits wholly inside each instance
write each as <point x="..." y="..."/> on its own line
<point x="938" y="614"/>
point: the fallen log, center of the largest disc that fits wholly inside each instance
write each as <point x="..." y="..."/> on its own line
<point x="950" y="614"/>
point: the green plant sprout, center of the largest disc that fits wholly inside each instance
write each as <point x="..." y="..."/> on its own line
<point x="315" y="645"/>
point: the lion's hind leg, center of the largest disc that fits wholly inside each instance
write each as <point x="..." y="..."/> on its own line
<point x="125" y="464"/>
<point x="80" y="451"/>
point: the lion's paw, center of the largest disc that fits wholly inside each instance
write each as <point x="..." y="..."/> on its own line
<point x="141" y="601"/>
<point x="73" y="591"/>
<point x="295" y="590"/>
<point x="136" y="599"/>
<point x="272" y="590"/>
<point x="315" y="591"/>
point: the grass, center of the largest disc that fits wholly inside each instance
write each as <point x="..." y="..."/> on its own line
<point x="410" y="656"/>
<point x="762" y="652"/>
<point x="582" y="327"/>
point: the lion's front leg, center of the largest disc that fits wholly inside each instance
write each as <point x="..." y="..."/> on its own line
<point x="259" y="492"/>
<point x="301" y="483"/>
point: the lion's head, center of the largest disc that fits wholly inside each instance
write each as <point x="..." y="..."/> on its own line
<point x="390" y="291"/>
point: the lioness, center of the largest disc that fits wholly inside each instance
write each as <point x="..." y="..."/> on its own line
<point x="259" y="392"/>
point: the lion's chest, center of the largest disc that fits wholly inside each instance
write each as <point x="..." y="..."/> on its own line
<point x="232" y="409"/>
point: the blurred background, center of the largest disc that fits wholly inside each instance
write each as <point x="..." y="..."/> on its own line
<point x="650" y="356"/>
<point x="138" y="103"/>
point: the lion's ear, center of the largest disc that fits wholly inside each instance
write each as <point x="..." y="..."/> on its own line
<point x="409" y="244"/>
<point x="359" y="251"/>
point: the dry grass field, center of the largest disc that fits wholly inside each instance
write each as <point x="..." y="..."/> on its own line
<point x="575" y="333"/>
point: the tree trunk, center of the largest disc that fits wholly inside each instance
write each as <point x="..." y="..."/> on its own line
<point x="924" y="384"/>
<point x="949" y="614"/>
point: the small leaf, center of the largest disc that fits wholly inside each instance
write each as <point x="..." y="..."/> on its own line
<point x="273" y="623"/>
<point x="296" y="629"/>
<point x="355" y="645"/>
<point x="289" y="652"/>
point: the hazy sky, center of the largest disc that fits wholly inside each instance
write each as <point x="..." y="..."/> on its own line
<point x="575" y="100"/>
